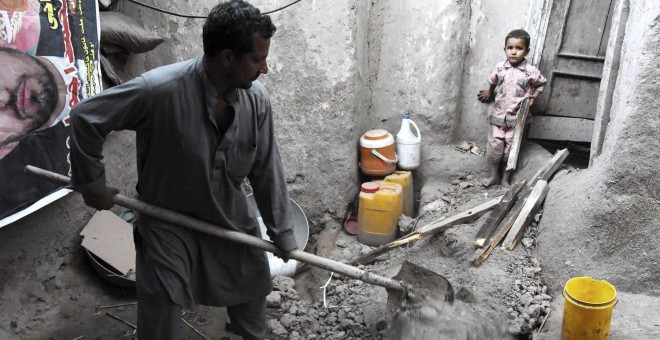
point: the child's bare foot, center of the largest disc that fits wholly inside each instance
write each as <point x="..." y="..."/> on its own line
<point x="506" y="178"/>
<point x="486" y="182"/>
<point x="493" y="175"/>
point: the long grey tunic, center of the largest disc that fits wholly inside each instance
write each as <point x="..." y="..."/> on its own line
<point x="185" y="164"/>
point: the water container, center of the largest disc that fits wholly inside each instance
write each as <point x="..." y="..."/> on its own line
<point x="588" y="305"/>
<point x="377" y="153"/>
<point x="378" y="213"/>
<point x="405" y="179"/>
<point x="408" y="145"/>
<point x="384" y="183"/>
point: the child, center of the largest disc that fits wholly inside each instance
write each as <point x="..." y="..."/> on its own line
<point x="512" y="81"/>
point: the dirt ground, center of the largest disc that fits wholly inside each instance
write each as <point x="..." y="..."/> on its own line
<point x="506" y="297"/>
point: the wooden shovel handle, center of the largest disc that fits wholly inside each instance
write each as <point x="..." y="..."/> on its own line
<point x="214" y="230"/>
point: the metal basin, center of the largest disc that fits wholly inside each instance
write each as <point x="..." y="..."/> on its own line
<point x="300" y="230"/>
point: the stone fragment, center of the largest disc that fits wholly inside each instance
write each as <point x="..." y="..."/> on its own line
<point x="289" y="321"/>
<point x="276" y="327"/>
<point x="283" y="283"/>
<point x="273" y="300"/>
<point x="534" y="310"/>
<point x="529" y="271"/>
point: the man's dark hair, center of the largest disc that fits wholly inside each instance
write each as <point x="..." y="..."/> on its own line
<point x="231" y="25"/>
<point x="49" y="95"/>
<point x="518" y="34"/>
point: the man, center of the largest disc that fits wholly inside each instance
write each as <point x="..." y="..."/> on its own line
<point x="32" y="95"/>
<point x="202" y="126"/>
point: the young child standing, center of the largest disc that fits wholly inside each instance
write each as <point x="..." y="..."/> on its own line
<point x="513" y="81"/>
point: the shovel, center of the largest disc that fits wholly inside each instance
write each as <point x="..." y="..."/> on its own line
<point x="412" y="283"/>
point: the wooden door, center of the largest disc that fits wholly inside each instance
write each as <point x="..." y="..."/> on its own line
<point x="572" y="61"/>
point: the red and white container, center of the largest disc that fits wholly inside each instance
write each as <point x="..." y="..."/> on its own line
<point x="377" y="153"/>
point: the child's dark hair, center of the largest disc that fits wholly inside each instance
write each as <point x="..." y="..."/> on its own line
<point x="518" y="34"/>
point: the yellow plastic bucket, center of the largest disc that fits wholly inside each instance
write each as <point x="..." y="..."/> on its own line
<point x="588" y="307"/>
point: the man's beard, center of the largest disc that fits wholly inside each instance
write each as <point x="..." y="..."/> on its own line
<point x="46" y="103"/>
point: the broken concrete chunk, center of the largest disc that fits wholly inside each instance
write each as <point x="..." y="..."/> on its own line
<point x="283" y="283"/>
<point x="276" y="327"/>
<point x="274" y="299"/>
<point x="528" y="242"/>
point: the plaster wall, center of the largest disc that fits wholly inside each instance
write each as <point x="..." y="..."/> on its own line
<point x="631" y="136"/>
<point x="316" y="95"/>
<point x="416" y="53"/>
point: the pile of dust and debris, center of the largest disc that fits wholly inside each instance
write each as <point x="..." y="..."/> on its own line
<point x="503" y="298"/>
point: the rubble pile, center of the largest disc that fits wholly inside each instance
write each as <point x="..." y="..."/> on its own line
<point x="346" y="312"/>
<point x="528" y="300"/>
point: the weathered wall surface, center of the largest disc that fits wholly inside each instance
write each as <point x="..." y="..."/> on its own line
<point x="490" y="21"/>
<point x="416" y="56"/>
<point x="606" y="220"/>
<point x="316" y="96"/>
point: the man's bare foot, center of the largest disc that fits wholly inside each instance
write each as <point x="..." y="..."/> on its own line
<point x="506" y="184"/>
<point x="486" y="182"/>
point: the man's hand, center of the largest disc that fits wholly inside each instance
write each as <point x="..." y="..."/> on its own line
<point x="285" y="255"/>
<point x="484" y="95"/>
<point x="101" y="201"/>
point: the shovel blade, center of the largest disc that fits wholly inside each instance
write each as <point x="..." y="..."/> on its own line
<point x="424" y="286"/>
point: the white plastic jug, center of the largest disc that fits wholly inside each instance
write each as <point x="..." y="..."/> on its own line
<point x="408" y="145"/>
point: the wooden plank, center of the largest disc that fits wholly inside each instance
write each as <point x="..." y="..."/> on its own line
<point x="532" y="204"/>
<point x="518" y="137"/>
<point x="562" y="128"/>
<point x="549" y="168"/>
<point x="542" y="174"/>
<point x="503" y="229"/>
<point x="489" y="226"/>
<point x="429" y="229"/>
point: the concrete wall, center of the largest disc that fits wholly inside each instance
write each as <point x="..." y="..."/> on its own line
<point x="416" y="53"/>
<point x="316" y="96"/>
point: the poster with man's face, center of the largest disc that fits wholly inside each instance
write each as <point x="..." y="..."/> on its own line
<point x="48" y="63"/>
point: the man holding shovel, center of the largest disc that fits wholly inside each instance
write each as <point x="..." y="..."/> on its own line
<point x="202" y="126"/>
